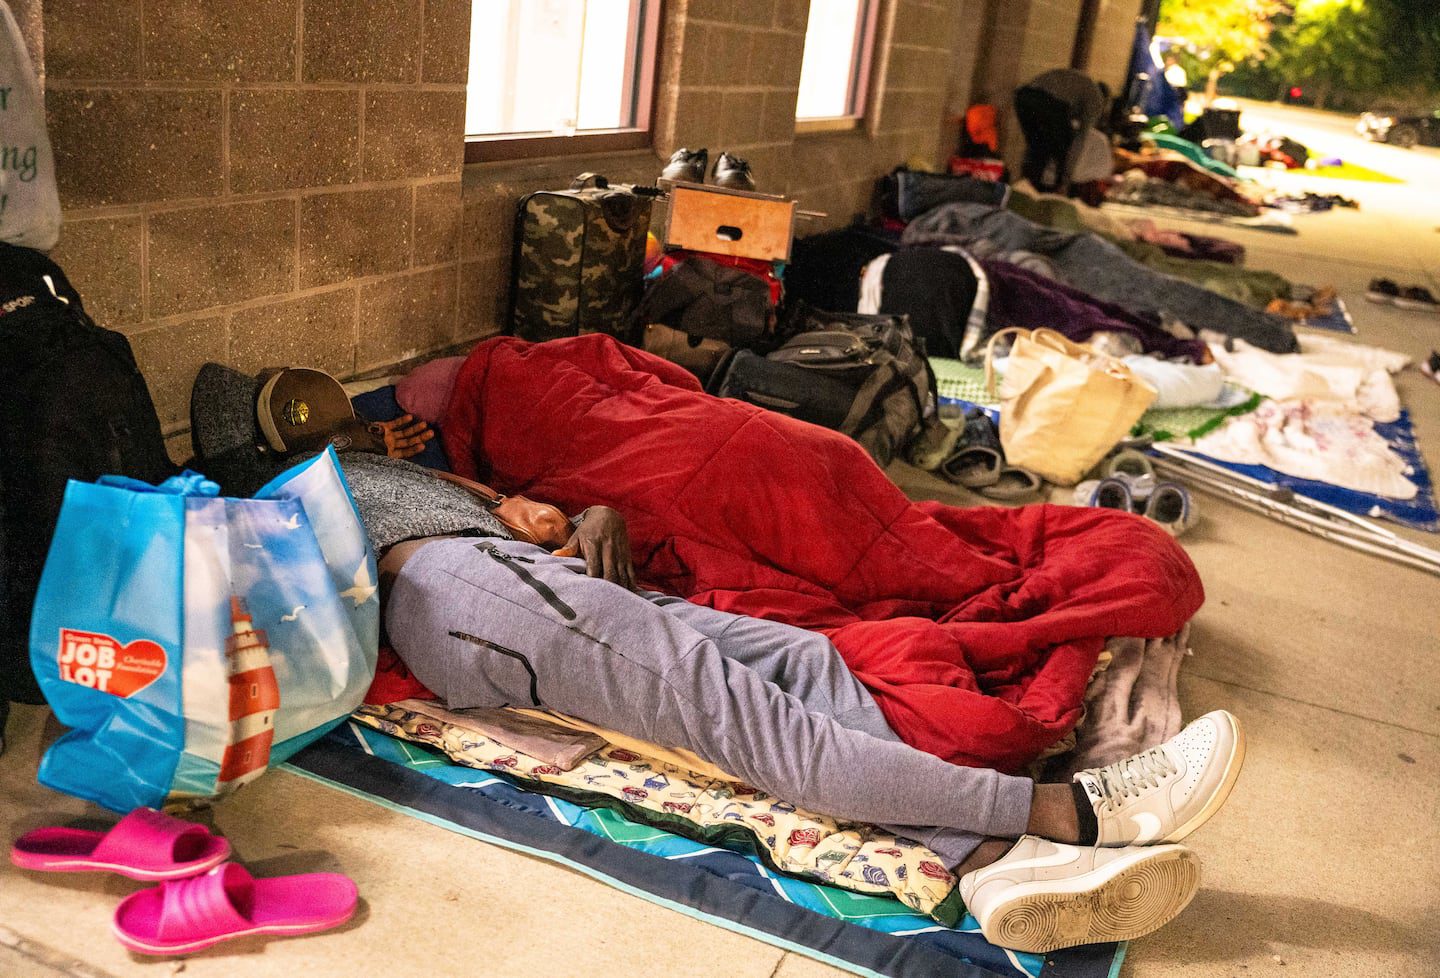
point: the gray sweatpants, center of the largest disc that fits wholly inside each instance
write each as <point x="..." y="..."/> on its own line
<point x="492" y="623"/>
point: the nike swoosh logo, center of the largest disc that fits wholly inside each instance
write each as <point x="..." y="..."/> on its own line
<point x="1149" y="824"/>
<point x="1062" y="857"/>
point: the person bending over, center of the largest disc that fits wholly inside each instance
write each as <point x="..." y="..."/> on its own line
<point x="485" y="621"/>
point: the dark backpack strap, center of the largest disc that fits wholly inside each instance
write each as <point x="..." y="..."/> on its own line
<point x="872" y="392"/>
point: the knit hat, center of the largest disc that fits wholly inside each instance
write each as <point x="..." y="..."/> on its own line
<point x="245" y="430"/>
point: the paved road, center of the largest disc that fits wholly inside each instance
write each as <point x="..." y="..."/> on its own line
<point x="1333" y="134"/>
<point x="1395" y="231"/>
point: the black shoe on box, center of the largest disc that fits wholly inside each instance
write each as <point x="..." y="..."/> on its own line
<point x="686" y="166"/>
<point x="733" y="173"/>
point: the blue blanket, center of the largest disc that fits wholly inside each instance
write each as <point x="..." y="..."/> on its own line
<point x="1419" y="513"/>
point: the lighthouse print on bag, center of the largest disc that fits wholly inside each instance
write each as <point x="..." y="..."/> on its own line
<point x="254" y="698"/>
<point x="273" y="585"/>
<point x="192" y="641"/>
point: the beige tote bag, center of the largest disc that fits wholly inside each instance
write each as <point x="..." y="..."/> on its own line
<point x="1063" y="405"/>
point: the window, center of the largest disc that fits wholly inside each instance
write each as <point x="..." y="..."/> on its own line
<point x="835" y="68"/>
<point x="546" y="75"/>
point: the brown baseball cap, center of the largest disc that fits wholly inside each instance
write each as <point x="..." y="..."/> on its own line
<point x="301" y="409"/>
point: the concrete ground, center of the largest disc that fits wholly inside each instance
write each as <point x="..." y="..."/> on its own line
<point x="1325" y="863"/>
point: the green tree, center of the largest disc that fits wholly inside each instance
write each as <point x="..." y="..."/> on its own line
<point x="1361" y="47"/>
<point x="1219" y="34"/>
<point x="1330" y="45"/>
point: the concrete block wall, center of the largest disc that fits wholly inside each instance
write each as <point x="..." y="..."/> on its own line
<point x="268" y="182"/>
<point x="1024" y="38"/>
<point x="1114" y="37"/>
<point x="729" y="79"/>
<point x="260" y="182"/>
<point x="915" y="53"/>
<point x="1049" y="37"/>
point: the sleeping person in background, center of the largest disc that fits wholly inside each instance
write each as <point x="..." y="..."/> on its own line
<point x="485" y="620"/>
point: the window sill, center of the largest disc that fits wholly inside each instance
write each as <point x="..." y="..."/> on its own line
<point x="561" y="167"/>
<point x="503" y="149"/>
<point x="810" y="127"/>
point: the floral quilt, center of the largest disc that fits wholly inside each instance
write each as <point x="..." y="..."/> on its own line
<point x="853" y="857"/>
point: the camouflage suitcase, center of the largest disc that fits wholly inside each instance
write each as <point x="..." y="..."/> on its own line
<point x="579" y="261"/>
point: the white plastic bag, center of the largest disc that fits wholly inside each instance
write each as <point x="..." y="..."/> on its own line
<point x="29" y="203"/>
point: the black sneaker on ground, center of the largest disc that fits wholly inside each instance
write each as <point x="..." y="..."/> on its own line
<point x="1382" y="290"/>
<point x="733" y="173"/>
<point x="686" y="166"/>
<point x="1418" y="298"/>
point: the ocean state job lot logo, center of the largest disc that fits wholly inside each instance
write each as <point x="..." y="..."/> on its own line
<point x="100" y="662"/>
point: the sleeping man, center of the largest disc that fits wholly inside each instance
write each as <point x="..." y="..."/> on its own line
<point x="484" y="620"/>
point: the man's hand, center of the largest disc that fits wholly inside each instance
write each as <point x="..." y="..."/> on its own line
<point x="605" y="544"/>
<point x="404" y="437"/>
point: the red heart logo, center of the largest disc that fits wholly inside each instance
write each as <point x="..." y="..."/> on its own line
<point x="98" y="661"/>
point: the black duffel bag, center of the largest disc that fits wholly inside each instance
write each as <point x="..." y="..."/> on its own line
<point x="905" y="194"/>
<point x="788" y="389"/>
<point x="876" y="360"/>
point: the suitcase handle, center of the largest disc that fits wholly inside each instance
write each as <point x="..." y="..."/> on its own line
<point x="586" y="179"/>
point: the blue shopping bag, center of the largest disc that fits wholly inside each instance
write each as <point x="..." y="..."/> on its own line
<point x="191" y="641"/>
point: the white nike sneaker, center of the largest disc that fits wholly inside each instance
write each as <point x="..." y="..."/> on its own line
<point x="1043" y="895"/>
<point x="1165" y="793"/>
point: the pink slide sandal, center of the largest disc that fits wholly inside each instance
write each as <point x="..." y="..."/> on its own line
<point x="190" y="915"/>
<point x="144" y="845"/>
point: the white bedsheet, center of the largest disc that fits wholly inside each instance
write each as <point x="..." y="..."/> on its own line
<point x="1313" y="439"/>
<point x="1350" y="376"/>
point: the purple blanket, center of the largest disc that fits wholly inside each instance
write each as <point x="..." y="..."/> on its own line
<point x="1019" y="297"/>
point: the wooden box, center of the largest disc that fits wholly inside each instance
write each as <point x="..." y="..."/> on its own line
<point x="730" y="222"/>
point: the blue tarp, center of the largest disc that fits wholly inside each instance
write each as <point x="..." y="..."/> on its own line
<point x="1419" y="513"/>
<point x="1148" y="86"/>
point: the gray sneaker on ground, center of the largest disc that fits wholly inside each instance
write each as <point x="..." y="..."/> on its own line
<point x="1043" y="895"/>
<point x="1165" y="793"/>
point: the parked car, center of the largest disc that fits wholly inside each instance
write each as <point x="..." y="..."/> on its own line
<point x="1404" y="129"/>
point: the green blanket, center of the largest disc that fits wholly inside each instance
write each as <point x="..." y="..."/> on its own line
<point x="1193" y="153"/>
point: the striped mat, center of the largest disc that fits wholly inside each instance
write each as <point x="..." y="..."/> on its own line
<point x="865" y="935"/>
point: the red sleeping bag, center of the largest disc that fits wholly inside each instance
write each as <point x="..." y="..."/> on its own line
<point x="975" y="629"/>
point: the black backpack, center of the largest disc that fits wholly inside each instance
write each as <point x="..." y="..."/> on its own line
<point x="707" y="299"/>
<point x="73" y="405"/>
